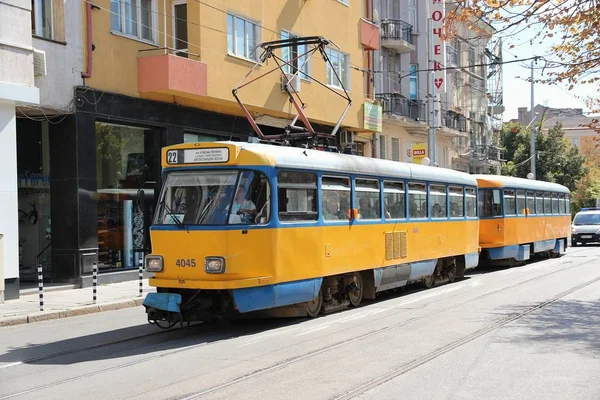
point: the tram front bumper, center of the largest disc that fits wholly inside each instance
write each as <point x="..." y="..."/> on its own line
<point x="168" y="302"/>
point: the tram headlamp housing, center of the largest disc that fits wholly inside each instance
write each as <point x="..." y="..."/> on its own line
<point x="154" y="263"/>
<point x="214" y="265"/>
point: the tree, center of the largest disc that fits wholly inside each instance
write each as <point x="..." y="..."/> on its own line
<point x="576" y="21"/>
<point x="587" y="190"/>
<point x="557" y="159"/>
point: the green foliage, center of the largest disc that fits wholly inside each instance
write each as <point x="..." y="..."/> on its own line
<point x="557" y="160"/>
<point x="587" y="191"/>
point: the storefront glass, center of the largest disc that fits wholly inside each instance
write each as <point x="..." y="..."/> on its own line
<point x="121" y="169"/>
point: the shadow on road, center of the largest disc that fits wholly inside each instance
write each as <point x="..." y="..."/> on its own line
<point x="127" y="342"/>
<point x="566" y="325"/>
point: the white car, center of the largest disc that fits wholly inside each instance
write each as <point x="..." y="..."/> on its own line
<point x="586" y="226"/>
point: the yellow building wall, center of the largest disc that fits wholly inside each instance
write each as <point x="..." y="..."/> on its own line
<point x="115" y="56"/>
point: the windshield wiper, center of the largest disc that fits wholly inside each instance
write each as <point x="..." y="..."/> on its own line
<point x="178" y="223"/>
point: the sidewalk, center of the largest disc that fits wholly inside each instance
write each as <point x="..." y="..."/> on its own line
<point x="71" y="302"/>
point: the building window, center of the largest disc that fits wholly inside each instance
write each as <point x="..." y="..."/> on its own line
<point x="242" y="37"/>
<point x="180" y="33"/>
<point x="360" y="149"/>
<point x="414" y="82"/>
<point x="133" y="18"/>
<point x="472" y="59"/>
<point x="382" y="147"/>
<point x="197" y="138"/>
<point x="575" y="141"/>
<point x="412" y="14"/>
<point x="294" y="54"/>
<point x="395" y="149"/>
<point x="340" y="66"/>
<point x="42" y="18"/>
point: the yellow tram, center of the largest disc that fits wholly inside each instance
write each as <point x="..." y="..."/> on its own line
<point x="520" y="217"/>
<point x="243" y="227"/>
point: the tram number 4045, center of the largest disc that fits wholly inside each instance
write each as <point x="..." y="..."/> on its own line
<point x="186" y="262"/>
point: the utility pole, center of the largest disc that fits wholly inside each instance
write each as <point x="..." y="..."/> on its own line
<point x="533" y="155"/>
<point x="431" y="138"/>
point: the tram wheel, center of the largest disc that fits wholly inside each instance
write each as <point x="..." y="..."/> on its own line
<point x="429" y="281"/>
<point x="452" y="272"/>
<point x="356" y="294"/>
<point x="314" y="307"/>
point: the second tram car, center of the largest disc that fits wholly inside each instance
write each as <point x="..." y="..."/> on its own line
<point x="521" y="217"/>
<point x="243" y="227"/>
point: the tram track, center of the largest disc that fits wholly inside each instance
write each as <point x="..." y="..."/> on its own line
<point x="456" y="344"/>
<point x="177" y="331"/>
<point x="294" y="360"/>
<point x="266" y="370"/>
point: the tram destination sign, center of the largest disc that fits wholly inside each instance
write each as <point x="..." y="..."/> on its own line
<point x="198" y="156"/>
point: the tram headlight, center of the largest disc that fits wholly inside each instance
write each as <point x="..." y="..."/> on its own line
<point x="214" y="265"/>
<point x="154" y="263"/>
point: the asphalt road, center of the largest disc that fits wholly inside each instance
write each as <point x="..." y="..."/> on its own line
<point x="530" y="332"/>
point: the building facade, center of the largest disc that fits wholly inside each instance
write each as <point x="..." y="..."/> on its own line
<point x="16" y="89"/>
<point x="462" y="115"/>
<point x="122" y="80"/>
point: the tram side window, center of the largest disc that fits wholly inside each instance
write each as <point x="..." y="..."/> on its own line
<point x="368" y="199"/>
<point x="297" y="193"/>
<point x="531" y="202"/>
<point x="456" y="202"/>
<point x="547" y="203"/>
<point x="539" y="203"/>
<point x="490" y="203"/>
<point x="471" y="202"/>
<point x="395" y="203"/>
<point x="335" y="198"/>
<point x="554" y="203"/>
<point x="437" y="200"/>
<point x="510" y="206"/>
<point x="568" y="199"/>
<point x="417" y="200"/>
<point x="562" y="204"/>
<point x="521" y="203"/>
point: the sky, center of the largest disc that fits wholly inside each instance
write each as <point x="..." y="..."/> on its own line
<point x="517" y="92"/>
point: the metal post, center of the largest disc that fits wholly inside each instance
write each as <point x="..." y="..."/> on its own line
<point x="431" y="138"/>
<point x="533" y="155"/>
<point x="95" y="279"/>
<point x="141" y="277"/>
<point x="41" y="285"/>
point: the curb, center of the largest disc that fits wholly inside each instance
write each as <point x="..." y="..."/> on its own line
<point x="73" y="312"/>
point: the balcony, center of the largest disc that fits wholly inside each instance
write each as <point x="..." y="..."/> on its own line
<point x="172" y="75"/>
<point x="453" y="124"/>
<point x="369" y="35"/>
<point x="397" y="105"/>
<point x="397" y="35"/>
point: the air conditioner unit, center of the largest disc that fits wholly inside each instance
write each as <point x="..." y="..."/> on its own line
<point x="39" y="62"/>
<point x="294" y="82"/>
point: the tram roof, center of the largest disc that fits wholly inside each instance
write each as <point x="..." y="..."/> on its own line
<point x="520" y="183"/>
<point x="298" y="158"/>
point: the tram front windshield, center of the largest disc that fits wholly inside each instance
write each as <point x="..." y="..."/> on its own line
<point x="213" y="198"/>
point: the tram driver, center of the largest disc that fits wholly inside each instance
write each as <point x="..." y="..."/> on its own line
<point x="244" y="210"/>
